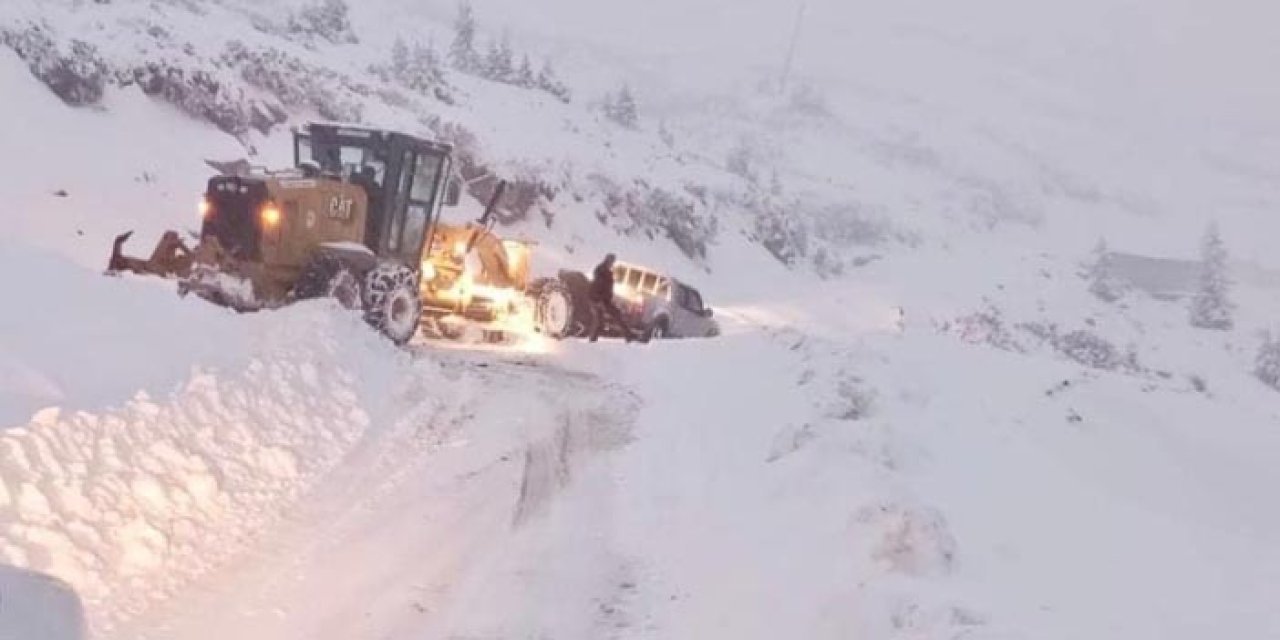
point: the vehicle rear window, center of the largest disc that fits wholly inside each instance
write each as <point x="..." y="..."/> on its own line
<point x="649" y="283"/>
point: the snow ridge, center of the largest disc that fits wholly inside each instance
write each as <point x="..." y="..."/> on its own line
<point x="129" y="503"/>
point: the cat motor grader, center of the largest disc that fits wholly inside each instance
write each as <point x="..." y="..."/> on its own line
<point x="357" y="219"/>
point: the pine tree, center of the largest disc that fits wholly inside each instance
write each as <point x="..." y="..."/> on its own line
<point x="499" y="64"/>
<point x="419" y="68"/>
<point x="399" y="59"/>
<point x="1210" y="307"/>
<point x="1103" y="281"/>
<point x="426" y="72"/>
<point x="462" y="53"/>
<point x="628" y="112"/>
<point x="621" y="108"/>
<point x="525" y="76"/>
<point x="546" y="75"/>
<point x="775" y="183"/>
<point x="548" y="82"/>
<point x="1267" y="365"/>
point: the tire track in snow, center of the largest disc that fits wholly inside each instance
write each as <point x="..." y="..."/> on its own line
<point x="549" y="464"/>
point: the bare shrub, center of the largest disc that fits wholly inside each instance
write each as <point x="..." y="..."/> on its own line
<point x="325" y="19"/>
<point x="79" y="77"/>
<point x="293" y="82"/>
<point x="656" y="212"/>
<point x="199" y="95"/>
<point x="853" y="401"/>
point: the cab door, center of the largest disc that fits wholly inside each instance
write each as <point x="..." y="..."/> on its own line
<point x="414" y="205"/>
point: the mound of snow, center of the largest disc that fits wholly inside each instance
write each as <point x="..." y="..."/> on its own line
<point x="77" y="339"/>
<point x="147" y="443"/>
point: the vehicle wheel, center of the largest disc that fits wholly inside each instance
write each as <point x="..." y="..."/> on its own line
<point x="329" y="277"/>
<point x="392" y="302"/>
<point x="554" y="310"/>
<point x="659" y="330"/>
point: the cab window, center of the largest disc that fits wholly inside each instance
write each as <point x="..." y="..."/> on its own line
<point x="302" y="150"/>
<point x="695" y="300"/>
<point x="690" y="299"/>
<point x="399" y="234"/>
<point x="415" y="226"/>
<point x="426" y="178"/>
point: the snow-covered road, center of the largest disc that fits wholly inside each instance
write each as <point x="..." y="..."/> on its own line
<point x="603" y="500"/>
<point x="384" y="546"/>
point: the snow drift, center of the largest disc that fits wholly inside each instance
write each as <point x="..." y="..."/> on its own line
<point x="167" y="433"/>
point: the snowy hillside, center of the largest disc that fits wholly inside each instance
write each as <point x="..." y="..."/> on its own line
<point x="937" y="411"/>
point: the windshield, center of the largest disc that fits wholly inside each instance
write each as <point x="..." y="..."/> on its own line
<point x="345" y="160"/>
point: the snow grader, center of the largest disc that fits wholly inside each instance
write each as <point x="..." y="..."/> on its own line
<point x="357" y="219"/>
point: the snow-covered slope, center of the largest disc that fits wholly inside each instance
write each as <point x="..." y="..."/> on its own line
<point x="919" y="422"/>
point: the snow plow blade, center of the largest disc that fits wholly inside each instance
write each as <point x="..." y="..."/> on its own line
<point x="206" y="270"/>
<point x="170" y="258"/>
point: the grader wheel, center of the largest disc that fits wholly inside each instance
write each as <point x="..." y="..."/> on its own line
<point x="393" y="305"/>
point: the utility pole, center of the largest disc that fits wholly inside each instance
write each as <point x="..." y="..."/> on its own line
<point x="791" y="49"/>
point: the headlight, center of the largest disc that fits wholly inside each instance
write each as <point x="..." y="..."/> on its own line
<point x="428" y="272"/>
<point x="206" y="208"/>
<point x="270" y="216"/>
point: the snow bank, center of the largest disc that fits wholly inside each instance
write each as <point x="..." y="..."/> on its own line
<point x="127" y="503"/>
<point x="77" y="339"/>
<point x="168" y="431"/>
<point x="100" y="499"/>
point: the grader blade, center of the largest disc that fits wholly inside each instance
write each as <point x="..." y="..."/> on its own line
<point x="171" y="257"/>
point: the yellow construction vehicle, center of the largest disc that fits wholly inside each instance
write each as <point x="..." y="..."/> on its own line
<point x="349" y="221"/>
<point x="357" y="219"/>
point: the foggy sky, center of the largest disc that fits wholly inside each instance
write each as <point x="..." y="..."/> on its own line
<point x="1190" y="61"/>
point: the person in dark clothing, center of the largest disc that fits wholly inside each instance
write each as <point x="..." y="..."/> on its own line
<point x="601" y="295"/>
<point x="367" y="179"/>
